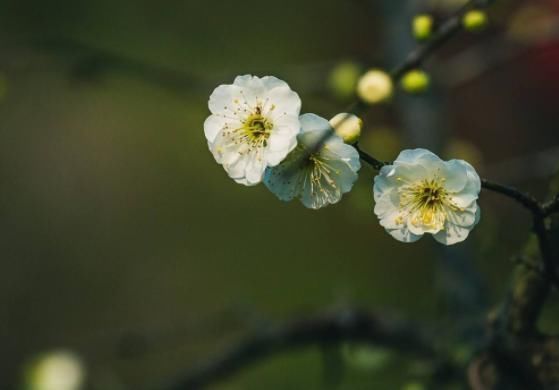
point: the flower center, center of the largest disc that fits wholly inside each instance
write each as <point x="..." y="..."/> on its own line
<point x="321" y="173"/>
<point x="257" y="128"/>
<point x="426" y="202"/>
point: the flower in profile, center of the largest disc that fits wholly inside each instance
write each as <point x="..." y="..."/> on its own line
<point x="254" y="125"/>
<point x="420" y="193"/>
<point x="319" y="171"/>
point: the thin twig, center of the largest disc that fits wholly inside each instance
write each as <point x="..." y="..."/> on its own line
<point x="414" y="59"/>
<point x="419" y="55"/>
<point x="373" y="162"/>
<point x="326" y="329"/>
<point x="525" y="200"/>
<point x="449" y="28"/>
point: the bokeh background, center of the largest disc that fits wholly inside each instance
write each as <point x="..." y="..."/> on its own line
<point x="123" y="243"/>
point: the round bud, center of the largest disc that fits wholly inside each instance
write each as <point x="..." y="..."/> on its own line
<point x="347" y="126"/>
<point x="375" y="86"/>
<point x="57" y="370"/>
<point x="475" y="20"/>
<point x="343" y="79"/>
<point x="415" y="81"/>
<point x="422" y="27"/>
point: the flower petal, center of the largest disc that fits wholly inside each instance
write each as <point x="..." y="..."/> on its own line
<point x="223" y="99"/>
<point x="453" y="234"/>
<point x="403" y="235"/>
<point x="282" y="101"/>
<point x="413" y="156"/>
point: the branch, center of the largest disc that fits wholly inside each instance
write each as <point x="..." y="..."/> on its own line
<point x="548" y="258"/>
<point x="449" y="28"/>
<point x="373" y="162"/>
<point x="418" y="56"/>
<point x="525" y="200"/>
<point x="531" y="287"/>
<point x="325" y="329"/>
<point x="552" y="206"/>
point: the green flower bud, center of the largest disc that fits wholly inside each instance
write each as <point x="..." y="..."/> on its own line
<point x="475" y="20"/>
<point x="415" y="81"/>
<point x="343" y="79"/>
<point x="347" y="126"/>
<point x="375" y="86"/>
<point x="422" y="27"/>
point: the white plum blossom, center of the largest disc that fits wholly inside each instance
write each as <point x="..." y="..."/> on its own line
<point x="254" y="125"/>
<point x="319" y="171"/>
<point x="420" y="193"/>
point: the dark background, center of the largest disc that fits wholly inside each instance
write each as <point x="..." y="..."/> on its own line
<point x="123" y="241"/>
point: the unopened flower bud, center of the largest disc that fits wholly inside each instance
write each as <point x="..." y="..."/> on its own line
<point x="475" y="20"/>
<point x="375" y="86"/>
<point x="415" y="81"/>
<point x="347" y="126"/>
<point x="343" y="79"/>
<point x="422" y="27"/>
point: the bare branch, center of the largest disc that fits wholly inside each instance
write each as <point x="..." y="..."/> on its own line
<point x="373" y="162"/>
<point x="525" y="200"/>
<point x="324" y="329"/>
<point x="552" y="206"/>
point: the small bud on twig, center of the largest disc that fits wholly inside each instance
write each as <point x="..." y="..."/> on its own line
<point x="347" y="126"/>
<point x="422" y="27"/>
<point x="475" y="20"/>
<point x="415" y="81"/>
<point x="375" y="86"/>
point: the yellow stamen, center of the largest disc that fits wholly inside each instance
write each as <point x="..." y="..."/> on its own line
<point x="427" y="202"/>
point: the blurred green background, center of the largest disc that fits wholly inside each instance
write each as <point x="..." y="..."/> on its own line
<point x="123" y="241"/>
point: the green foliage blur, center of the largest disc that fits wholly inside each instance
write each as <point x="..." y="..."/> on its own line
<point x="124" y="242"/>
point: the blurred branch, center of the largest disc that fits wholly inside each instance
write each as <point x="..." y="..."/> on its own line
<point x="415" y="58"/>
<point x="448" y="29"/>
<point x="324" y="329"/>
<point x="90" y="62"/>
<point x="552" y="206"/>
<point x="94" y="61"/>
<point x="517" y="355"/>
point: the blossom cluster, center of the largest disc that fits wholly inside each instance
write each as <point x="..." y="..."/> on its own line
<point x="257" y="133"/>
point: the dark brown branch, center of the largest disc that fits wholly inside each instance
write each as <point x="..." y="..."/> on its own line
<point x="373" y="162"/>
<point x="548" y="258"/>
<point x="552" y="206"/>
<point x="325" y="329"/>
<point x="515" y="335"/>
<point x="525" y="200"/>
